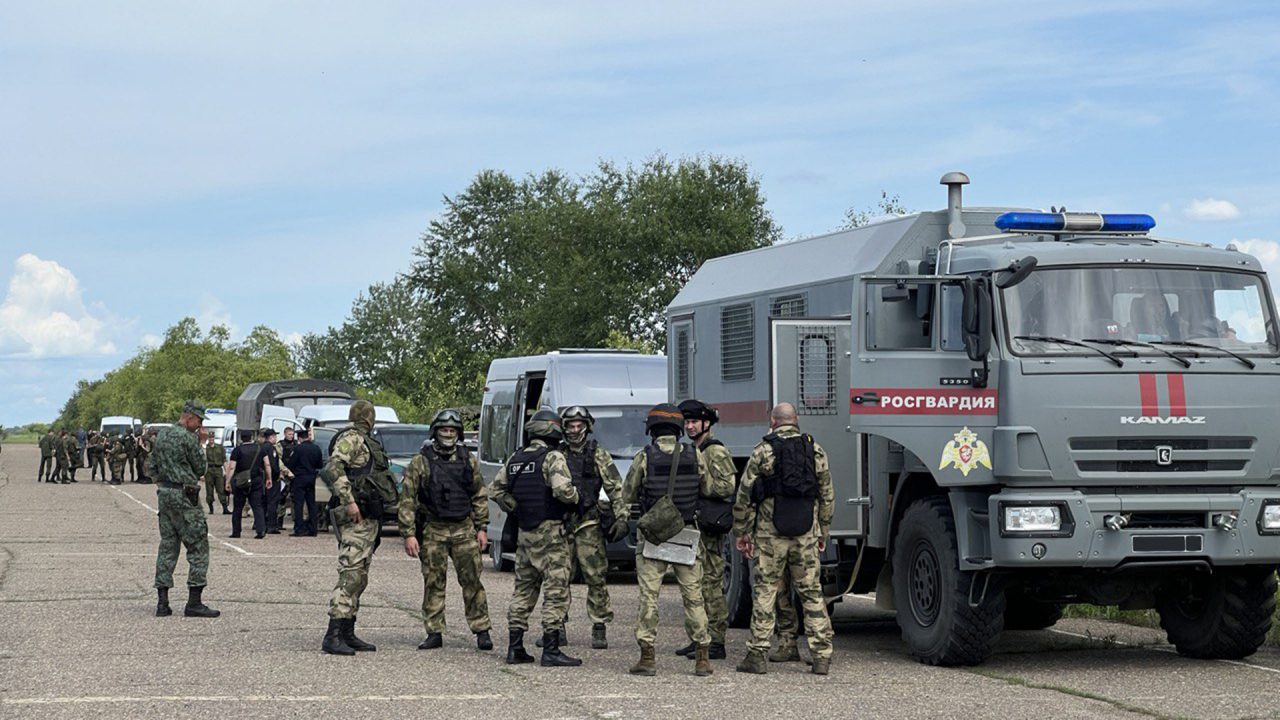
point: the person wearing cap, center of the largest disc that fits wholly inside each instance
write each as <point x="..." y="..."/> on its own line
<point x="271" y="456"/>
<point x="179" y="465"/>
<point x="305" y="463"/>
<point x="668" y="467"/>
<point x="534" y="485"/>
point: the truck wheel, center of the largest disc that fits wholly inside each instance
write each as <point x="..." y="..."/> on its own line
<point x="931" y="594"/>
<point x="737" y="586"/>
<point x="1225" y="615"/>
<point x="495" y="554"/>
<point x="1023" y="613"/>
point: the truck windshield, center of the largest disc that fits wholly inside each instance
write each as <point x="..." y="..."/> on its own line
<point x="620" y="430"/>
<point x="1218" y="308"/>
<point x="402" y="442"/>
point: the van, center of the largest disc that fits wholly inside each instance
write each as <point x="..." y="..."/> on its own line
<point x="119" y="424"/>
<point x="313" y="416"/>
<point x="617" y="386"/>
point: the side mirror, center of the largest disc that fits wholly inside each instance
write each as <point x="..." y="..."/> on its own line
<point x="1017" y="271"/>
<point x="975" y="319"/>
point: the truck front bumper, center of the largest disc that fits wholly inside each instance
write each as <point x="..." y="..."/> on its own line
<point x="1220" y="528"/>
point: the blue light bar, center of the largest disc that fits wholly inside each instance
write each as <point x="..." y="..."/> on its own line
<point x="1075" y="222"/>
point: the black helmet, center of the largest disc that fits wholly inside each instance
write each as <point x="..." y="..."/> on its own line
<point x="665" y="417"/>
<point x="578" y="412"/>
<point x="447" y="418"/>
<point x="698" y="410"/>
<point x="545" y="424"/>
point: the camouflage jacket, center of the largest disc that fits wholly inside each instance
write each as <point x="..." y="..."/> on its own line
<point x="350" y="451"/>
<point x="640" y="469"/>
<point x="724" y="475"/>
<point x="419" y="472"/>
<point x="749" y="519"/>
<point x="610" y="482"/>
<point x="177" y="457"/>
<point x="555" y="470"/>
<point x="46" y="446"/>
<point x="215" y="456"/>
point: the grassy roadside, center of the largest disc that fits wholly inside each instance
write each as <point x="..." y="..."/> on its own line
<point x="1144" y="618"/>
<point x="23" y="439"/>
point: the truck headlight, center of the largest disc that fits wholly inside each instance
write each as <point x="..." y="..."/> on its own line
<point x="1270" y="520"/>
<point x="1033" y="518"/>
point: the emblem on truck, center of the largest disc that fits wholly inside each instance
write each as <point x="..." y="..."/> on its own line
<point x="965" y="452"/>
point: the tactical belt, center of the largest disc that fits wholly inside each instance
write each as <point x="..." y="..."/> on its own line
<point x="169" y="485"/>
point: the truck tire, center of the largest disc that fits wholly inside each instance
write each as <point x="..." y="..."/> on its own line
<point x="932" y="595"/>
<point x="1222" y="616"/>
<point x="1023" y="613"/>
<point x="737" y="586"/>
<point x="495" y="554"/>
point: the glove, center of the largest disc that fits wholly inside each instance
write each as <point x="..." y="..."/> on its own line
<point x="619" y="530"/>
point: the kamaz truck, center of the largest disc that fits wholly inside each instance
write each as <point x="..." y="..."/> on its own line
<point x="1022" y="409"/>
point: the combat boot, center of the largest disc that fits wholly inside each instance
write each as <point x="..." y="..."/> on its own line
<point x="702" y="662"/>
<point x="551" y="655"/>
<point x="515" y="649"/>
<point x="647" y="664"/>
<point x="353" y="642"/>
<point x="483" y="641"/>
<point x="225" y="509"/>
<point x="599" y="637"/>
<point x="786" y="652"/>
<point x="196" y="608"/>
<point x="433" y="641"/>
<point x="162" y="603"/>
<point x="333" y="642"/>
<point x="754" y="663"/>
<point x="821" y="666"/>
<point x="562" y="639"/>
<point x="688" y="650"/>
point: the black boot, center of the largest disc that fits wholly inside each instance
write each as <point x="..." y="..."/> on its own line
<point x="196" y="608"/>
<point x="562" y="639"/>
<point x="551" y="655"/>
<point x="433" y="641"/>
<point x="225" y="511"/>
<point x="353" y="642"/>
<point x="599" y="637"/>
<point x="483" y="641"/>
<point x="333" y="642"/>
<point x="716" y="651"/>
<point x="162" y="603"/>
<point x="688" y="650"/>
<point x="515" y="649"/>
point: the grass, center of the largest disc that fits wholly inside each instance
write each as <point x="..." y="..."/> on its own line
<point x="1146" y="618"/>
<point x="22" y="439"/>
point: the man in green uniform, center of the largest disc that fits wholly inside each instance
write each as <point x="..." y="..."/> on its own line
<point x="47" y="463"/>
<point x="668" y="468"/>
<point x="715" y="520"/>
<point x="116" y="456"/>
<point x="215" y="457"/>
<point x="444" y="513"/>
<point x="592" y="470"/>
<point x="781" y="517"/>
<point x="362" y="482"/>
<point x="62" y="452"/>
<point x="178" y="464"/>
<point x="130" y="452"/>
<point x="536" y="487"/>
<point x="145" y="440"/>
<point x="97" y="450"/>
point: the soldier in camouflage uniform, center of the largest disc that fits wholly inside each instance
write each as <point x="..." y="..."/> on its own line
<point x="715" y="513"/>
<point x="145" y="440"/>
<point x="47" y="463"/>
<point x="781" y="517"/>
<point x="215" y="457"/>
<point x="651" y="474"/>
<point x="536" y="487"/>
<point x="116" y="456"/>
<point x="130" y="452"/>
<point x="592" y="470"/>
<point x="359" y="473"/>
<point x="178" y="465"/>
<point x="444" y="513"/>
<point x="62" y="452"/>
<point x="97" y="449"/>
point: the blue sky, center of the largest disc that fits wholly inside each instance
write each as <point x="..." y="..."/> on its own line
<point x="263" y="162"/>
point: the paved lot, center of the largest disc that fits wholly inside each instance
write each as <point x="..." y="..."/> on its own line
<point x="78" y="640"/>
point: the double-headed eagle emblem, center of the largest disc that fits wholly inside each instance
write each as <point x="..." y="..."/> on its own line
<point x="965" y="452"/>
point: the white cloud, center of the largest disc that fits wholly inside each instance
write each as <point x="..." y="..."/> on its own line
<point x="1210" y="209"/>
<point x="293" y="339"/>
<point x="1267" y="252"/>
<point x="151" y="340"/>
<point x="212" y="313"/>
<point x="44" y="314"/>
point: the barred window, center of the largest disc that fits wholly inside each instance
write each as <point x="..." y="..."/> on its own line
<point x="788" y="306"/>
<point x="682" y="360"/>
<point x="737" y="342"/>
<point x="817" y="369"/>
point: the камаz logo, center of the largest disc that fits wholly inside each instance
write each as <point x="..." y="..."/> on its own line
<point x="1157" y="420"/>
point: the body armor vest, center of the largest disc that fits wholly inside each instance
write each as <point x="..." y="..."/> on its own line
<point x="534" y="502"/>
<point x="447" y="492"/>
<point x="793" y="484"/>
<point x="658" y="476"/>
<point x="585" y="474"/>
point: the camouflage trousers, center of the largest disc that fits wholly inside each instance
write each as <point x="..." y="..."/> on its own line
<point x="181" y="524"/>
<point x="215" y="485"/>
<point x="542" y="565"/>
<point x="713" y="599"/>
<point x="788" y="623"/>
<point x="441" y="541"/>
<point x="355" y="553"/>
<point x="117" y="470"/>
<point x="649" y="575"/>
<point x="63" y="471"/>
<point x="775" y="556"/>
<point x="96" y="467"/>
<point x="586" y="545"/>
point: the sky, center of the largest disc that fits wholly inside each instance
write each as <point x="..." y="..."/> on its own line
<point x="263" y="162"/>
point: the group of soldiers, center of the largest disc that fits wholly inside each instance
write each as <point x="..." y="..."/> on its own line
<point x="61" y="455"/>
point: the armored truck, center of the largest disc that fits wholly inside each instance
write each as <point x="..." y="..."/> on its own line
<point x="1022" y="409"/>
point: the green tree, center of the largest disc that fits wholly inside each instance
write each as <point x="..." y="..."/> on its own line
<point x="886" y="205"/>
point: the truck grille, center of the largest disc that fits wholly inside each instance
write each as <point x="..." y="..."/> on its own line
<point x="1125" y="455"/>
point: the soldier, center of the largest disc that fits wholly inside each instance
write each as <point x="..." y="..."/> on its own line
<point x="592" y="470"/>
<point x="130" y="452"/>
<point x="359" y="473"/>
<point x="62" y="450"/>
<point x="536" y="487"/>
<point x="668" y="467"/>
<point x="178" y="464"/>
<point x="97" y="450"/>
<point x="284" y="485"/>
<point x="272" y="499"/>
<point x="142" y="452"/>
<point x="47" y="464"/>
<point x="73" y="456"/>
<point x="781" y="517"/>
<point x="444" y="510"/>
<point x="715" y="520"/>
<point x="215" y="457"/>
<point x="116" y="457"/>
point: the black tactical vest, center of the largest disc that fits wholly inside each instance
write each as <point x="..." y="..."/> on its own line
<point x="534" y="502"/>
<point x="793" y="485"/>
<point x="447" y="493"/>
<point x="658" y="476"/>
<point x="585" y="474"/>
<point x="715" y="515"/>
<point x="286" y="449"/>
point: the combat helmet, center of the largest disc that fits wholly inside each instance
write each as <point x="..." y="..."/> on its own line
<point x="580" y="413"/>
<point x="698" y="410"/>
<point x="664" y="419"/>
<point x="545" y="425"/>
<point x="447" y="418"/>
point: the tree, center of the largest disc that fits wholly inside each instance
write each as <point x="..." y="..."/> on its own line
<point x="887" y="205"/>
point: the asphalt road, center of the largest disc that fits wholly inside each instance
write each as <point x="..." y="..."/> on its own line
<point x="78" y="639"/>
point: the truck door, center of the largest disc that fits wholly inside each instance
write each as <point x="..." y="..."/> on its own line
<point x="809" y="365"/>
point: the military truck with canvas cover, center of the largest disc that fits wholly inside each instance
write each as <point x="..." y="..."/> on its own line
<point x="1022" y="410"/>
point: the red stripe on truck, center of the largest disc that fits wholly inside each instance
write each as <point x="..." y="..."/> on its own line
<point x="1147" y="392"/>
<point x="1177" y="396"/>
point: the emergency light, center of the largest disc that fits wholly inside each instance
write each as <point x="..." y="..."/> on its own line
<point x="1075" y="222"/>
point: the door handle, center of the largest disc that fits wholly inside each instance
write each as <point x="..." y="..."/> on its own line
<point x="867" y="397"/>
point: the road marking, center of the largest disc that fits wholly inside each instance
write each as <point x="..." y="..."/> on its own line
<point x="1171" y="651"/>
<point x="238" y="698"/>
<point x="238" y="549"/>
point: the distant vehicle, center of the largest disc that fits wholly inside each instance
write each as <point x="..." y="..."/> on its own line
<point x="312" y="416"/>
<point x="119" y="424"/>
<point x="259" y="403"/>
<point x="618" y="386"/>
<point x="216" y="423"/>
<point x="154" y="427"/>
<point x="401" y="441"/>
